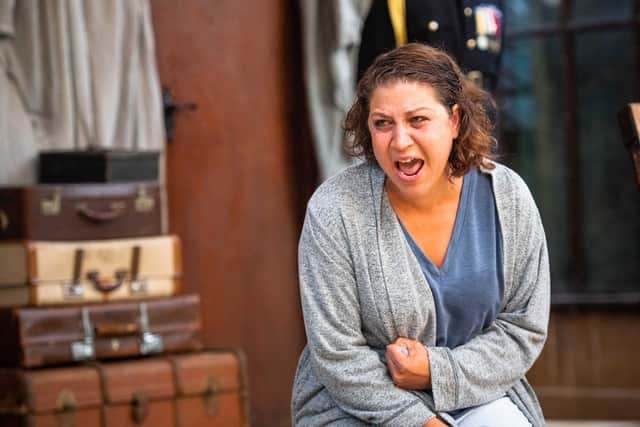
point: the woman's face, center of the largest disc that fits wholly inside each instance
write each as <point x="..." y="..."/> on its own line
<point x="412" y="135"/>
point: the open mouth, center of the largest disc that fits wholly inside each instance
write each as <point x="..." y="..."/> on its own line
<point x="410" y="167"/>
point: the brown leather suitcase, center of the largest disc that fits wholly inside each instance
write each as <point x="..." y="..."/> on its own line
<point x="81" y="211"/>
<point x="54" y="273"/>
<point x="202" y="389"/>
<point x="32" y="337"/>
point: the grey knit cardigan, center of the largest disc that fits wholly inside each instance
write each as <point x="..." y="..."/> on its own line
<point x="361" y="288"/>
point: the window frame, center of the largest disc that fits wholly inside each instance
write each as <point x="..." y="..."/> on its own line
<point x="567" y="29"/>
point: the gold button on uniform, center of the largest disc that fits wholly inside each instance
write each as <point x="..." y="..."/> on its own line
<point x="433" y="26"/>
<point x="476" y="77"/>
<point x="471" y="44"/>
<point x="468" y="11"/>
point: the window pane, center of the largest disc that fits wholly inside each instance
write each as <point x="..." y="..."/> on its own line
<point x="521" y="14"/>
<point x="532" y="135"/>
<point x="602" y="9"/>
<point x="611" y="200"/>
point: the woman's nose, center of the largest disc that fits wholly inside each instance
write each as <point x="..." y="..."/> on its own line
<point x="401" y="138"/>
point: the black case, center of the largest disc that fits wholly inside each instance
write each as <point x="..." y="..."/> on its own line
<point x="97" y="166"/>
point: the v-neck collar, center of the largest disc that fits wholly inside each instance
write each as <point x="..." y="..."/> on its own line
<point x="461" y="214"/>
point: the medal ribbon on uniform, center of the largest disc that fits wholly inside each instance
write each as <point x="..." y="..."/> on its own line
<point x="488" y="27"/>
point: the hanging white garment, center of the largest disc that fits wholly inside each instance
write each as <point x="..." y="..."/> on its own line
<point x="331" y="32"/>
<point x="18" y="151"/>
<point x="85" y="72"/>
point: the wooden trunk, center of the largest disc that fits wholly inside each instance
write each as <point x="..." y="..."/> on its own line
<point x="193" y="389"/>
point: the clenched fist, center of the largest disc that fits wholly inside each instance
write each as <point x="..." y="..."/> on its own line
<point x="408" y="363"/>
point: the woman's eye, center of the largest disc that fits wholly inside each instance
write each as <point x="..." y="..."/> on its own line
<point x="381" y="123"/>
<point x="418" y="119"/>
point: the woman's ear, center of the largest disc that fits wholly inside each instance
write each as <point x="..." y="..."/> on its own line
<point x="455" y="120"/>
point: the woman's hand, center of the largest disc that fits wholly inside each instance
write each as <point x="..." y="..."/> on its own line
<point x="408" y="363"/>
<point x="435" y="422"/>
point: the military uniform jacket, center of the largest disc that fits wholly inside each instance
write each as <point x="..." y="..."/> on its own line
<point x="470" y="30"/>
<point x="362" y="288"/>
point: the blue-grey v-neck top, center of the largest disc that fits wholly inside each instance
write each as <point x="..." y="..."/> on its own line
<point x="469" y="287"/>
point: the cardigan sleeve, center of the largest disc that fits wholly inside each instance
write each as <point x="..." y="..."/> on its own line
<point x="491" y="363"/>
<point x="352" y="372"/>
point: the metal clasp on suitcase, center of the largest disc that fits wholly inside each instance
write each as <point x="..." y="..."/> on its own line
<point x="51" y="207"/>
<point x="139" y="407"/>
<point x="149" y="343"/>
<point x="66" y="405"/>
<point x="84" y="350"/>
<point x="72" y="289"/>
<point x="144" y="202"/>
<point x="209" y="397"/>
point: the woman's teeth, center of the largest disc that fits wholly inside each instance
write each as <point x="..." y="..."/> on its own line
<point x="410" y="166"/>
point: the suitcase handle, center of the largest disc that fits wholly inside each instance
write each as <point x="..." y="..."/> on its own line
<point x="105" y="285"/>
<point x="115" y="211"/>
<point x="117" y="329"/>
<point x="149" y="343"/>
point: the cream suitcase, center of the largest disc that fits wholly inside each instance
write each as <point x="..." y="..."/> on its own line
<point x="52" y="273"/>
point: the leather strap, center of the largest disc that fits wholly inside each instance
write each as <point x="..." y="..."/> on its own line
<point x="135" y="262"/>
<point x="178" y="390"/>
<point x="73" y="289"/>
<point x="77" y="265"/>
<point x="103" y="390"/>
<point x="136" y="286"/>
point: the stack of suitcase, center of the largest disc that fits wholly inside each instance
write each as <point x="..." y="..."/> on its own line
<point x="93" y="328"/>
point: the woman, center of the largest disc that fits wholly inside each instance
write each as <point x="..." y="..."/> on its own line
<point x="424" y="275"/>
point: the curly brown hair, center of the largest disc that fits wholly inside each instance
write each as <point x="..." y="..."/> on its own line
<point x="420" y="63"/>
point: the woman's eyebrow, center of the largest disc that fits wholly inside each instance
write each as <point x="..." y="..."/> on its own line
<point x="378" y="113"/>
<point x="415" y="110"/>
<point x="411" y="111"/>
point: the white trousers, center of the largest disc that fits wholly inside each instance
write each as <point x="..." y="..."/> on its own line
<point x="499" y="413"/>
